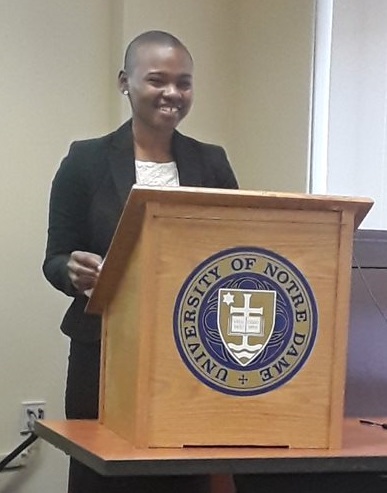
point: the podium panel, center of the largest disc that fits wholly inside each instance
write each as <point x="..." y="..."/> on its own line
<point x="225" y="319"/>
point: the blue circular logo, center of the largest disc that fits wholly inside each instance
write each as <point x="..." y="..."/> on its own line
<point x="245" y="321"/>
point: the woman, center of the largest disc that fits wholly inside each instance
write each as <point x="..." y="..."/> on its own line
<point x="88" y="194"/>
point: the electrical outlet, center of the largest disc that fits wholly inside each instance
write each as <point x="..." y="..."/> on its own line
<point x="30" y="412"/>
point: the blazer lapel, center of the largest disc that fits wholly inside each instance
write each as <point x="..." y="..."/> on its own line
<point x="188" y="161"/>
<point x="122" y="164"/>
<point x="121" y="159"/>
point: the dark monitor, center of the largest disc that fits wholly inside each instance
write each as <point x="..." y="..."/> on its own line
<point x="366" y="384"/>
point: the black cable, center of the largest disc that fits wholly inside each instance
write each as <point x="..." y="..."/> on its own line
<point x="31" y="439"/>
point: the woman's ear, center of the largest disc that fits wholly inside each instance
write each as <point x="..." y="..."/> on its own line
<point x="123" y="83"/>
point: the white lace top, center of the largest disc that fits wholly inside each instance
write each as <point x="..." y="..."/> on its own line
<point x="157" y="174"/>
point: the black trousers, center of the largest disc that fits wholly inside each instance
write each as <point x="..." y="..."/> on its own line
<point x="82" y="392"/>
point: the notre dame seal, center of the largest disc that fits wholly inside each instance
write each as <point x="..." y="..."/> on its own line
<point x="245" y="321"/>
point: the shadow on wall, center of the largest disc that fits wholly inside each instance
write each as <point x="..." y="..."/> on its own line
<point x="366" y="387"/>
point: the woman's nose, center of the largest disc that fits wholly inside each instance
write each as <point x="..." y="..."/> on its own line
<point x="171" y="90"/>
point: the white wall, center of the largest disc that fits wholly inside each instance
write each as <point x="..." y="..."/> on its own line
<point x="357" y="151"/>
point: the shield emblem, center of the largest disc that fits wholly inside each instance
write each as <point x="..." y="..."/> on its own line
<point x="246" y="320"/>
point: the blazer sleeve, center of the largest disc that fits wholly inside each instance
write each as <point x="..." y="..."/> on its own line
<point x="67" y="219"/>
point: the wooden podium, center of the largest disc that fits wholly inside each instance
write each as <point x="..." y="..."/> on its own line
<point x="149" y="396"/>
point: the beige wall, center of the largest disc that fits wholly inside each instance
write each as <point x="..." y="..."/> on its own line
<point x="271" y="108"/>
<point x="53" y="88"/>
<point x="204" y="26"/>
<point x="59" y="62"/>
<point x="253" y="80"/>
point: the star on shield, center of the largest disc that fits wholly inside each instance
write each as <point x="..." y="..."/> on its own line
<point x="246" y="320"/>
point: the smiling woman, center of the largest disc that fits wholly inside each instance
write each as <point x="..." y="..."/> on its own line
<point x="158" y="82"/>
<point x="88" y="194"/>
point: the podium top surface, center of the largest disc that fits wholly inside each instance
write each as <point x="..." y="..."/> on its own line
<point x="132" y="216"/>
<point x="364" y="449"/>
<point x="248" y="198"/>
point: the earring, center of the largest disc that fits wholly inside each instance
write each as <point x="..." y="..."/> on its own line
<point x="125" y="92"/>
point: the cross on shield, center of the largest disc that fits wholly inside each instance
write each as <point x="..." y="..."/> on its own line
<point x="246" y="320"/>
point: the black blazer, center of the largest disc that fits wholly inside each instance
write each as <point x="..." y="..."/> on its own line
<point x="88" y="195"/>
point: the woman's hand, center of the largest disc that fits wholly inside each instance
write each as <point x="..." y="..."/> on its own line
<point x="83" y="269"/>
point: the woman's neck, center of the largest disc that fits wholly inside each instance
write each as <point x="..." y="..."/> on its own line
<point x="152" y="146"/>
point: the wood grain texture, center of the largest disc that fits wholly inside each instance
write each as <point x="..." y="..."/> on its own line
<point x="131" y="220"/>
<point x="297" y="414"/>
<point x="149" y="396"/>
<point x="364" y="450"/>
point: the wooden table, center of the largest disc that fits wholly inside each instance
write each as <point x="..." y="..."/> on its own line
<point x="364" y="450"/>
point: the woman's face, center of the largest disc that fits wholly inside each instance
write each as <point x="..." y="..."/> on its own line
<point x="160" y="86"/>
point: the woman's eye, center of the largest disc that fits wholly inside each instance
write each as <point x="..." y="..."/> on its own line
<point x="185" y="85"/>
<point x="155" y="82"/>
